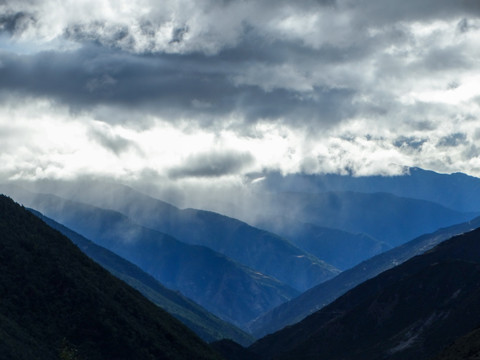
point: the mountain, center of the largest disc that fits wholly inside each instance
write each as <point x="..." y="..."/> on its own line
<point x="233" y="351"/>
<point x="409" y="312"/>
<point x="228" y="289"/>
<point x="386" y="217"/>
<point x="336" y="247"/>
<point x="56" y="303"/>
<point x="316" y="298"/>
<point x="258" y="249"/>
<point x="455" y="191"/>
<point x="203" y="323"/>
<point x="466" y="347"/>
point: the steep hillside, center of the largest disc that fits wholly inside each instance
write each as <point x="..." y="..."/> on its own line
<point x="233" y="351"/>
<point x="323" y="294"/>
<point x="408" y="312"/>
<point x="203" y="323"/>
<point x="466" y="347"/>
<point x="230" y="290"/>
<point x="56" y="303"/>
<point x="339" y="248"/>
<point x="255" y="248"/>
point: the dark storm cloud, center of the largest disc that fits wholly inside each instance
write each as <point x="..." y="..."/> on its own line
<point x="112" y="142"/>
<point x="101" y="33"/>
<point x="447" y="58"/>
<point x="385" y="12"/>
<point x="168" y="84"/>
<point x="214" y="164"/>
<point x="192" y="84"/>
<point x="256" y="48"/>
<point x="409" y="142"/>
<point x="369" y="66"/>
<point x="453" y="140"/>
<point x="17" y="22"/>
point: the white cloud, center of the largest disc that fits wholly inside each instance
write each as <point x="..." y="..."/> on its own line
<point x="333" y="86"/>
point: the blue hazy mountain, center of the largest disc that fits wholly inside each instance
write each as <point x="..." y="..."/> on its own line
<point x="455" y="191"/>
<point x="316" y="298"/>
<point x="258" y="249"/>
<point x="386" y="217"/>
<point x="203" y="323"/>
<point x="341" y="249"/>
<point x="412" y="311"/>
<point x="224" y="287"/>
<point x="56" y="303"/>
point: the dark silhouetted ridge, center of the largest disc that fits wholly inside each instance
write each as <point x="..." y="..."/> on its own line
<point x="321" y="295"/>
<point x="56" y="303"/>
<point x="409" y="312"/>
<point x="203" y="323"/>
<point x="228" y="289"/>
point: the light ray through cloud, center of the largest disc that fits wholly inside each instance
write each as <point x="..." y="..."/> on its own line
<point x="212" y="90"/>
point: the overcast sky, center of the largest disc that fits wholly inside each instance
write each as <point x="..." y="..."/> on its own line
<point x="185" y="90"/>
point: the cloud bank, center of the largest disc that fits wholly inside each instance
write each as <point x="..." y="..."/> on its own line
<point x="214" y="90"/>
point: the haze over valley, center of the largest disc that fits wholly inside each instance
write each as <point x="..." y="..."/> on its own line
<point x="239" y="179"/>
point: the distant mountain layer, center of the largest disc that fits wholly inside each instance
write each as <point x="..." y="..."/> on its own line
<point x="205" y="324"/>
<point x="323" y="294"/>
<point x="409" y="312"/>
<point x="56" y="303"/>
<point x="466" y="347"/>
<point x="386" y="217"/>
<point x="230" y="290"/>
<point x="456" y="191"/>
<point x="339" y="248"/>
<point x="255" y="248"/>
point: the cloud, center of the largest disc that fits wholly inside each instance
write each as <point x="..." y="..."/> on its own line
<point x="16" y="23"/>
<point x="409" y="142"/>
<point x="111" y="141"/>
<point x="212" y="165"/>
<point x="205" y="89"/>
<point x="453" y="140"/>
<point x="169" y="85"/>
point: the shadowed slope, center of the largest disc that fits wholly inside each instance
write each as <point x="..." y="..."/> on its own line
<point x="408" y="312"/>
<point x="323" y="294"/>
<point x="224" y="287"/>
<point x="205" y="324"/>
<point x="56" y="302"/>
<point x="258" y="249"/>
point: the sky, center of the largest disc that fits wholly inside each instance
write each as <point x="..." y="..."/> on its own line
<point x="188" y="91"/>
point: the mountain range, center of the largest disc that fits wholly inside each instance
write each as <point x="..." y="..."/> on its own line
<point x="386" y="217"/>
<point x="409" y="312"/>
<point x="226" y="288"/>
<point x="258" y="249"/>
<point x="456" y="191"/>
<point x="323" y="294"/>
<point x="203" y="323"/>
<point x="339" y="248"/>
<point x="324" y="265"/>
<point x="56" y="303"/>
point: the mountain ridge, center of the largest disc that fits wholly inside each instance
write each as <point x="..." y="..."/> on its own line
<point x="209" y="278"/>
<point x="321" y="295"/>
<point x="52" y="306"/>
<point x="206" y="325"/>
<point x="456" y="190"/>
<point x="410" y="311"/>
<point x="234" y="238"/>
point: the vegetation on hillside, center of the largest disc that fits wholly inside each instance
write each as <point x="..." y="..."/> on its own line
<point x="56" y="303"/>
